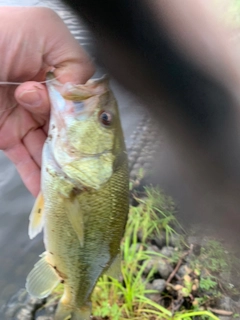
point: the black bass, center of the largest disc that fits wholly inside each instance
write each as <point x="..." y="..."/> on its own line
<point x="83" y="204"/>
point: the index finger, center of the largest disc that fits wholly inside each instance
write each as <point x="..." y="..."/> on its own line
<point x="63" y="52"/>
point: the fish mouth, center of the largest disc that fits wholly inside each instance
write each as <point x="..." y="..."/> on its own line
<point x="81" y="155"/>
<point x="71" y="99"/>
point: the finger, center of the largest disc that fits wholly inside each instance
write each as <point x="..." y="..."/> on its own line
<point x="34" y="97"/>
<point x="26" y="166"/>
<point x="63" y="52"/>
<point x="34" y="141"/>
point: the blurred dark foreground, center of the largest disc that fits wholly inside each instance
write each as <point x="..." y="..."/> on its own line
<point x="177" y="57"/>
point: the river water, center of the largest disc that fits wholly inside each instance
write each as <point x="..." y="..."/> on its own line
<point x="17" y="253"/>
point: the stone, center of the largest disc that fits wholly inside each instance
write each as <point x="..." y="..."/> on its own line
<point x="174" y="240"/>
<point x="183" y="270"/>
<point x="160" y="240"/>
<point x="24" y="314"/>
<point x="150" y="265"/>
<point x="225" y="303"/>
<point x="154" y="297"/>
<point x="163" y="268"/>
<point x="35" y="302"/>
<point x="153" y="248"/>
<point x="167" y="251"/>
<point x="159" y="285"/>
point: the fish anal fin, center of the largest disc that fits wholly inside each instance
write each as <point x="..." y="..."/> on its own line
<point x="75" y="217"/>
<point x="114" y="269"/>
<point x="36" y="217"/>
<point x="42" y="279"/>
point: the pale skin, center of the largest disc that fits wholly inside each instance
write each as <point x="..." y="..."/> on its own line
<point x="35" y="40"/>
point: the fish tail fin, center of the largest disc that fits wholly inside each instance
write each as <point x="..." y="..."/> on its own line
<point x="64" y="311"/>
<point x="81" y="314"/>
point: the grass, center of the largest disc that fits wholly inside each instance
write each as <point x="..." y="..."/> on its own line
<point x="128" y="298"/>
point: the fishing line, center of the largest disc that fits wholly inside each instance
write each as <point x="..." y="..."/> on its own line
<point x="18" y="83"/>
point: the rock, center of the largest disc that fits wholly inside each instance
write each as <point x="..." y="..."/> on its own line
<point x="160" y="266"/>
<point x="137" y="167"/>
<point x="197" y="249"/>
<point x="159" y="240"/>
<point x="159" y="285"/>
<point x="147" y="166"/>
<point x="152" y="263"/>
<point x="148" y="286"/>
<point x="154" y="297"/>
<point x="25" y="314"/>
<point x="163" y="268"/>
<point x="225" y="318"/>
<point x="225" y="303"/>
<point x="167" y="251"/>
<point x="21" y="306"/>
<point x="174" y="240"/>
<point x="134" y="173"/>
<point x="44" y="318"/>
<point x="183" y="270"/>
<point x="153" y="248"/>
<point x="141" y="160"/>
<point x="35" y="302"/>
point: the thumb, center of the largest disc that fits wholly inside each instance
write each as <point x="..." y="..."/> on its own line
<point x="33" y="96"/>
<point x="63" y="52"/>
<point x="77" y="72"/>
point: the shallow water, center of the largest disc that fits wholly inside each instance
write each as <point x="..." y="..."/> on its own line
<point x="17" y="252"/>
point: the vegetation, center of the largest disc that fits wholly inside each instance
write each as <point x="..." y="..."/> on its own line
<point x="129" y="298"/>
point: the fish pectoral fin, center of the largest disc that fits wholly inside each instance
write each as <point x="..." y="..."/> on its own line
<point x="36" y="217"/>
<point x="42" y="279"/>
<point x="114" y="269"/>
<point x="75" y="217"/>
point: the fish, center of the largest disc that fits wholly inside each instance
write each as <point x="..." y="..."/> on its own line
<point x="83" y="204"/>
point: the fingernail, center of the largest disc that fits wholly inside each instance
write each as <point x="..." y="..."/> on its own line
<point x="30" y="98"/>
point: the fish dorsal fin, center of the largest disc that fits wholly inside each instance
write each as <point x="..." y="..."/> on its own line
<point x="75" y="217"/>
<point x="114" y="269"/>
<point x="42" y="279"/>
<point x="36" y="217"/>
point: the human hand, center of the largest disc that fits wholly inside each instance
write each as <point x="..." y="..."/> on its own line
<point x="33" y="41"/>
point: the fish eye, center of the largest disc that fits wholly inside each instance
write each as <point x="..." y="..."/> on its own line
<point x="105" y="118"/>
<point x="78" y="105"/>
